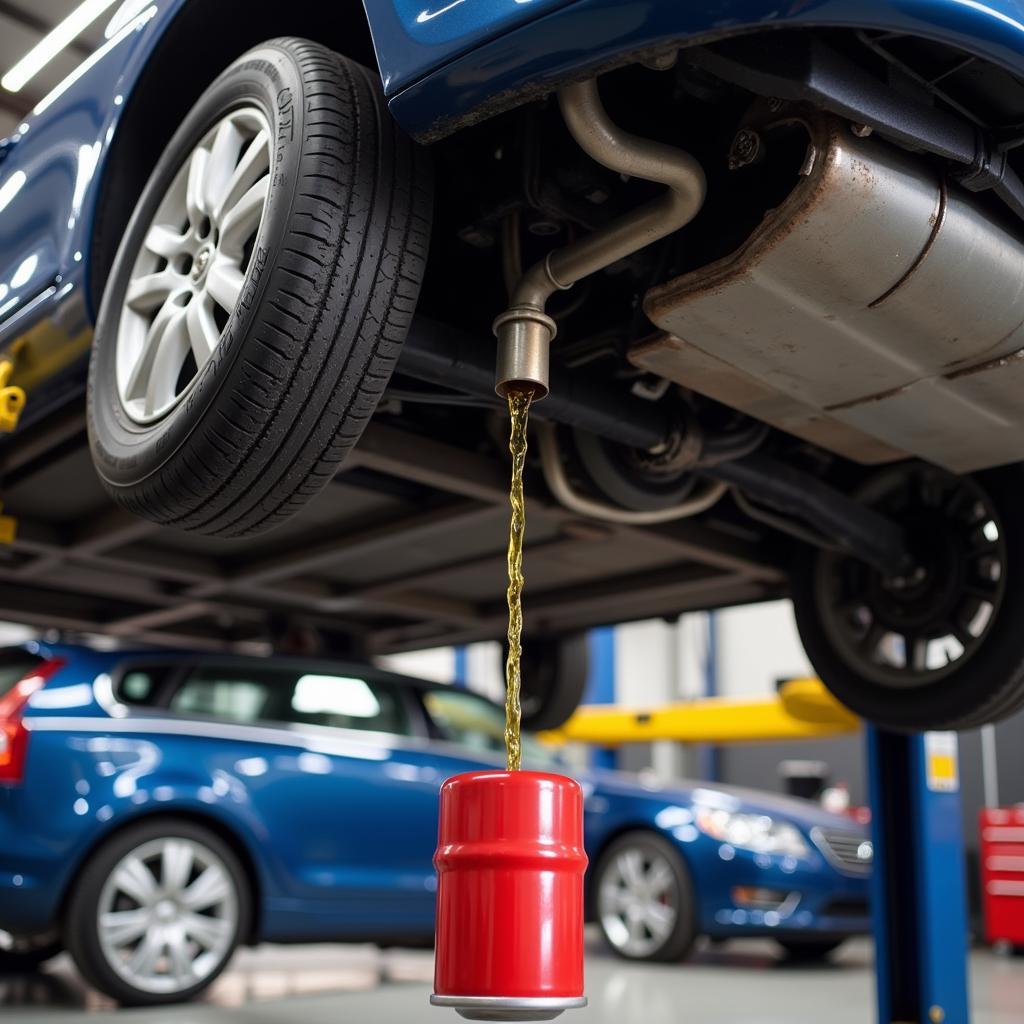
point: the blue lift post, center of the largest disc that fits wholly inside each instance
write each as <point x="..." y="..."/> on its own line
<point x="919" y="894"/>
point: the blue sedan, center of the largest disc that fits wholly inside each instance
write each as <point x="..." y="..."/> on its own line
<point x="156" y="810"/>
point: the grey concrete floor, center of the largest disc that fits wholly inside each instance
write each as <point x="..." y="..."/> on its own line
<point x="738" y="983"/>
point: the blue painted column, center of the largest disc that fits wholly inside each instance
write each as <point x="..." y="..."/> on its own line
<point x="460" y="675"/>
<point x="600" y="687"/>
<point x="707" y="754"/>
<point x="918" y="888"/>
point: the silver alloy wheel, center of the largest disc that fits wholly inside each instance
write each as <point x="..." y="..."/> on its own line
<point x="189" y="274"/>
<point x="638" y="901"/>
<point x="168" y="914"/>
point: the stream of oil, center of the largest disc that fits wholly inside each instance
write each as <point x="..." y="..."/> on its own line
<point x="519" y="412"/>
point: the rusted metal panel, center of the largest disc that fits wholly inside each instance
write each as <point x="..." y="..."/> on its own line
<point x="851" y="313"/>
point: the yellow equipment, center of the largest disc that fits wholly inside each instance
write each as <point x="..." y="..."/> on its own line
<point x="803" y="709"/>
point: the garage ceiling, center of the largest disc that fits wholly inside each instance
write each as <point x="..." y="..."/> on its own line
<point x="23" y="23"/>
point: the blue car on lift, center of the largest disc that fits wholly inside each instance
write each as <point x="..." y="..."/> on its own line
<point x="156" y="810"/>
<point x="792" y="313"/>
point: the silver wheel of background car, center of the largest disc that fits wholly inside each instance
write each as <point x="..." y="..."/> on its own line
<point x="168" y="915"/>
<point x="189" y="273"/>
<point x="638" y="901"/>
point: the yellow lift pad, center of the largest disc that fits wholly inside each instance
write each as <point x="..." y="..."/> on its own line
<point x="803" y="709"/>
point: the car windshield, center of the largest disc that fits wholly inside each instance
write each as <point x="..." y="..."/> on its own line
<point x="479" y="725"/>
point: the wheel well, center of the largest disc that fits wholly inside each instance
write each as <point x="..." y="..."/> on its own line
<point x="217" y="827"/>
<point x="203" y="39"/>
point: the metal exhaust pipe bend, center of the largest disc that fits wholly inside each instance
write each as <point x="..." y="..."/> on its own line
<point x="524" y="331"/>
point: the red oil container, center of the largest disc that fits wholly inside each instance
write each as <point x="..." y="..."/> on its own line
<point x="510" y="864"/>
<point x="1002" y="874"/>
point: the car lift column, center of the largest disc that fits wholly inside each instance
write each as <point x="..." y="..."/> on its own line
<point x="919" y="900"/>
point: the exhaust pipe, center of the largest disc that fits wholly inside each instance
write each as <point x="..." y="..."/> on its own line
<point x="525" y="331"/>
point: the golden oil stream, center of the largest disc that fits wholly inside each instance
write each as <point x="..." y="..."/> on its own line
<point x="519" y="412"/>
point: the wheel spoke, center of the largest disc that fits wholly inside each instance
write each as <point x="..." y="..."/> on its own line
<point x="162" y="240"/>
<point x="241" y="220"/>
<point x="134" y="879"/>
<point x="916" y="652"/>
<point x="659" y="919"/>
<point x="207" y="931"/>
<point x="659" y="877"/>
<point x="171" y="351"/>
<point x="147" y="293"/>
<point x="180" y="957"/>
<point x="124" y="926"/>
<point x="176" y="866"/>
<point x="224" y="282"/>
<point x="872" y="640"/>
<point x="635" y="927"/>
<point x="631" y="867"/>
<point x="195" y="200"/>
<point x="211" y="887"/>
<point x="227" y="144"/>
<point x="144" y="960"/>
<point x="254" y="163"/>
<point x="203" y="334"/>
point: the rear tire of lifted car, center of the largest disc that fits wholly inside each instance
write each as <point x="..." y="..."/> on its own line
<point x="856" y="625"/>
<point x="102" y="891"/>
<point x="312" y="306"/>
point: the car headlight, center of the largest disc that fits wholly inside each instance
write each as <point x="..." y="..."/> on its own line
<point x="757" y="832"/>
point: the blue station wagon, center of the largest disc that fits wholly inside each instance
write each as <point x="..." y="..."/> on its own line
<point x="156" y="810"/>
<point x="759" y="266"/>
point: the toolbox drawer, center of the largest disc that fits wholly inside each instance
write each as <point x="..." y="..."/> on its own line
<point x="1002" y="874"/>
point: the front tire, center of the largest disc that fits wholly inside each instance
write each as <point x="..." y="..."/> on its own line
<point x="939" y="647"/>
<point x="157" y="913"/>
<point x="260" y="296"/>
<point x="644" y="899"/>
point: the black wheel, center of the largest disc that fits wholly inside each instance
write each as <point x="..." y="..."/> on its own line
<point x="25" y="955"/>
<point x="809" y="951"/>
<point x="157" y="913"/>
<point x="644" y="898"/>
<point x="260" y="297"/>
<point x="554" y="676"/>
<point x="939" y="647"/>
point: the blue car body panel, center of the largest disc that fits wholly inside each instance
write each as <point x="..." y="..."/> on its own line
<point x="442" y="62"/>
<point x="338" y="826"/>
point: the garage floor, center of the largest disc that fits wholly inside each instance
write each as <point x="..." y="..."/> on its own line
<point x="740" y="983"/>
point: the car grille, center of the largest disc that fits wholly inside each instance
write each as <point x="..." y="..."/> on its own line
<point x="845" y="849"/>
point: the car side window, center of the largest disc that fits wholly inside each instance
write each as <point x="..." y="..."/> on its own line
<point x="141" y="684"/>
<point x="322" y="698"/>
<point x="477" y="724"/>
<point x="237" y="698"/>
<point x="348" y="702"/>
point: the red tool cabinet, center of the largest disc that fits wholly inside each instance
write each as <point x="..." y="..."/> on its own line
<point x="1002" y="874"/>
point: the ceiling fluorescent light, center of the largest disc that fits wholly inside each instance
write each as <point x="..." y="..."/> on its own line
<point x="65" y="33"/>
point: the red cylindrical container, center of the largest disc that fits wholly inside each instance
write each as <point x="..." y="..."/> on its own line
<point x="510" y="864"/>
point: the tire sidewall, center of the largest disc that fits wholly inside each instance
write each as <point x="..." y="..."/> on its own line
<point x="82" y="923"/>
<point x="125" y="452"/>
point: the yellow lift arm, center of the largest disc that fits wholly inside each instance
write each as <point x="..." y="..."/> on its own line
<point x="803" y="709"/>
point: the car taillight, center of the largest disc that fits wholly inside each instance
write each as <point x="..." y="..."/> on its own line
<point x="13" y="734"/>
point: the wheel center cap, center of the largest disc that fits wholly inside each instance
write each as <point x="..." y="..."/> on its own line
<point x="166" y="911"/>
<point x="202" y="262"/>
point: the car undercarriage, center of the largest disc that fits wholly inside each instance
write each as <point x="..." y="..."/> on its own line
<point x="808" y="389"/>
